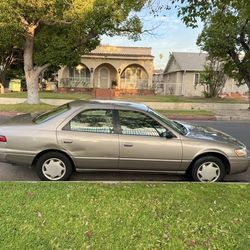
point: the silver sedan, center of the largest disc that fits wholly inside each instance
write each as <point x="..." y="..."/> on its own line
<point x="118" y="136"/>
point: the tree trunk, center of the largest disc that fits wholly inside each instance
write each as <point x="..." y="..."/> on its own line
<point x="31" y="74"/>
<point x="32" y="87"/>
<point x="3" y="77"/>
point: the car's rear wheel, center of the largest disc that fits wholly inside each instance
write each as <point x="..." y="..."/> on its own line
<point x="54" y="166"/>
<point x="208" y="169"/>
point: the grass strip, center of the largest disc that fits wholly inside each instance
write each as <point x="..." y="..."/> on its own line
<point x="124" y="216"/>
<point x="26" y="108"/>
<point x="134" y="98"/>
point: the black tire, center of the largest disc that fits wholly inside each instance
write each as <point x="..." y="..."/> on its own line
<point x="220" y="170"/>
<point x="57" y="158"/>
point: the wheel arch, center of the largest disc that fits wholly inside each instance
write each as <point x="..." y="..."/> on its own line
<point x="50" y="151"/>
<point x="222" y="157"/>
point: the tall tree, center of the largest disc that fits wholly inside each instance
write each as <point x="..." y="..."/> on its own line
<point x="226" y="33"/>
<point x="58" y="32"/>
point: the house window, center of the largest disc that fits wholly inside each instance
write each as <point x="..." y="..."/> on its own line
<point x="80" y="71"/>
<point x="196" y="78"/>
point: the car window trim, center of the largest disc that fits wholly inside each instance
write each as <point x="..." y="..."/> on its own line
<point x="89" y="109"/>
<point x="140" y="112"/>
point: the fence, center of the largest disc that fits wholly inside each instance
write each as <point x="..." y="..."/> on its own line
<point x="165" y="88"/>
<point x="74" y="82"/>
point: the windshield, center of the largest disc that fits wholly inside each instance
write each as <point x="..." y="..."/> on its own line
<point x="172" y="124"/>
<point x="51" y="114"/>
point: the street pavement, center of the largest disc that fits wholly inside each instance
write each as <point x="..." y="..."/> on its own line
<point x="238" y="129"/>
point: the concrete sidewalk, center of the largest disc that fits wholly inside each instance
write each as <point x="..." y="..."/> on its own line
<point x="223" y="111"/>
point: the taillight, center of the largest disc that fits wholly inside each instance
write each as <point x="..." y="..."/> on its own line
<point x="3" y="138"/>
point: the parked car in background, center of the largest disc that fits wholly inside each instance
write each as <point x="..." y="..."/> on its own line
<point x="118" y="136"/>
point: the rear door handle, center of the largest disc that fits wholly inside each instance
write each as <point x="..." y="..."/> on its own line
<point x="128" y="145"/>
<point x="67" y="141"/>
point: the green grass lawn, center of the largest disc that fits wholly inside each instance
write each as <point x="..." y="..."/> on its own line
<point x="134" y="98"/>
<point x="50" y="95"/>
<point x="177" y="99"/>
<point x="26" y="108"/>
<point x="124" y="216"/>
<point x="187" y="112"/>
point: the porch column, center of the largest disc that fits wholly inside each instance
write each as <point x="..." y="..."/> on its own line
<point x="92" y="78"/>
<point x="118" y="80"/>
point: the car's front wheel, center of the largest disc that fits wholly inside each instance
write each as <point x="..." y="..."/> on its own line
<point x="208" y="169"/>
<point x="54" y="166"/>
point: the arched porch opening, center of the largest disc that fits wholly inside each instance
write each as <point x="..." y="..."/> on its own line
<point x="105" y="76"/>
<point x="134" y="76"/>
<point x="78" y="77"/>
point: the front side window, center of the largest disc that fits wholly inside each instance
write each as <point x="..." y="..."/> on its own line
<point x="93" y="121"/>
<point x="136" y="123"/>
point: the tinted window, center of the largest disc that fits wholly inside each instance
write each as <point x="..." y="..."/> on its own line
<point x="51" y="114"/>
<point x="135" y="123"/>
<point x="93" y="121"/>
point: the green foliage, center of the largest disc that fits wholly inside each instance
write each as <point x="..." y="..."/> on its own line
<point x="213" y="78"/>
<point x="226" y="33"/>
<point x="65" y="30"/>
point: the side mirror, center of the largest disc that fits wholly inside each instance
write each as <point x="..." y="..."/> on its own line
<point x="167" y="134"/>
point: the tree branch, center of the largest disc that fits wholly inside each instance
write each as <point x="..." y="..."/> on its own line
<point x="86" y="39"/>
<point x="52" y="23"/>
<point x="241" y="38"/>
<point x="40" y="69"/>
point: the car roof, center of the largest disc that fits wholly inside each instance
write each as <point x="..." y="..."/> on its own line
<point x="113" y="103"/>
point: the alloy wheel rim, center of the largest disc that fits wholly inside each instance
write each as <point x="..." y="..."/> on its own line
<point x="54" y="169"/>
<point x="208" y="172"/>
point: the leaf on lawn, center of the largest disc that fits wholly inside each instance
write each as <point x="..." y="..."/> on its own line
<point x="30" y="194"/>
<point x="88" y="234"/>
<point x="39" y="215"/>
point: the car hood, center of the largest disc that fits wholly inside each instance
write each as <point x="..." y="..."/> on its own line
<point x="207" y="133"/>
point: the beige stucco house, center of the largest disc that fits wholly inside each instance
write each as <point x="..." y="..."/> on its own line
<point x="182" y="73"/>
<point x="125" y="69"/>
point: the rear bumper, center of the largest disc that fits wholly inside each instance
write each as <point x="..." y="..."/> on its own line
<point x="3" y="157"/>
<point x="18" y="159"/>
<point x="239" y="165"/>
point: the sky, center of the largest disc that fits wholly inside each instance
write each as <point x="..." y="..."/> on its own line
<point x="169" y="35"/>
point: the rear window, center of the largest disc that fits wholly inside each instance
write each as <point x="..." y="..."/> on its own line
<point x="51" y="114"/>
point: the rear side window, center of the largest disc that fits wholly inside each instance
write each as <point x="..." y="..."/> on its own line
<point x="51" y="114"/>
<point x="93" y="121"/>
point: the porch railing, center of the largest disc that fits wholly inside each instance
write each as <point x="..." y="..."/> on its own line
<point x="75" y="82"/>
<point x="138" y="84"/>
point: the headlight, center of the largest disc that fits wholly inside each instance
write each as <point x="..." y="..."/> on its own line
<point x="241" y="152"/>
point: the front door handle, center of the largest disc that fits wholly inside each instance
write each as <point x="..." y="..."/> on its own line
<point x="67" y="141"/>
<point x="128" y="145"/>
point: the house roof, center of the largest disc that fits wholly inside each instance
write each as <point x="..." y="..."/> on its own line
<point x="187" y="61"/>
<point x="122" y="51"/>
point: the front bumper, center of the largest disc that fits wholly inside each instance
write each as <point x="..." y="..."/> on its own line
<point x="239" y="165"/>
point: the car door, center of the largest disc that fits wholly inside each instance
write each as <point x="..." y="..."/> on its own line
<point x="142" y="146"/>
<point x="91" y="139"/>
